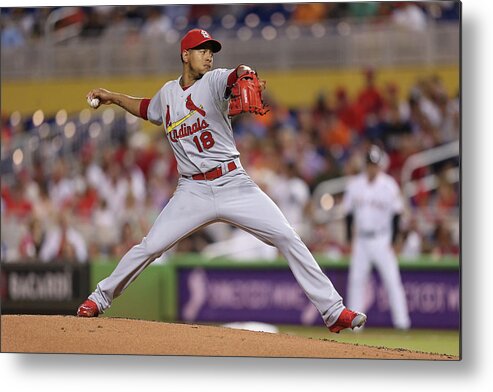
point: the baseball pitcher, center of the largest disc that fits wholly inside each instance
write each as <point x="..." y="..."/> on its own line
<point x="195" y="112"/>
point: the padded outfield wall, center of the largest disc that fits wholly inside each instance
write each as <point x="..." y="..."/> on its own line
<point x="193" y="289"/>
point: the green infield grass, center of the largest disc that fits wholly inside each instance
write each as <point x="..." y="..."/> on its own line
<point x="425" y="340"/>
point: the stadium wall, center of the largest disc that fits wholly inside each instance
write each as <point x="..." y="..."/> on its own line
<point x="193" y="289"/>
<point x="291" y="88"/>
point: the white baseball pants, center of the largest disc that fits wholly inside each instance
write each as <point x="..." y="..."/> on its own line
<point x="232" y="198"/>
<point x="379" y="252"/>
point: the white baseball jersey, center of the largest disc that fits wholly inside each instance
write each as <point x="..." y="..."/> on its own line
<point x="195" y="121"/>
<point x="373" y="203"/>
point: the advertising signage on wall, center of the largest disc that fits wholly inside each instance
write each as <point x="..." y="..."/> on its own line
<point x="273" y="296"/>
<point x="52" y="288"/>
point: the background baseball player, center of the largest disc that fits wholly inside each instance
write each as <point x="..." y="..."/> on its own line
<point x="213" y="185"/>
<point x="372" y="200"/>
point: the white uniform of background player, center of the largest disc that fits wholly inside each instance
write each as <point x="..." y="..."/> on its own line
<point x="213" y="186"/>
<point x="373" y="201"/>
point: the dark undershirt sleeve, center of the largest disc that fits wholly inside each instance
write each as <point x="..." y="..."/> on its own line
<point x="395" y="227"/>
<point x="349" y="227"/>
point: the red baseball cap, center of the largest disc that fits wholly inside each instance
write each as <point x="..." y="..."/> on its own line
<point x="197" y="37"/>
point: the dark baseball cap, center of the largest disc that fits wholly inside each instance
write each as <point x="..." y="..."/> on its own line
<point x="197" y="37"/>
<point x="374" y="155"/>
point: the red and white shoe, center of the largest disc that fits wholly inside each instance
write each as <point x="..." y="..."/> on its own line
<point x="88" y="309"/>
<point x="348" y="319"/>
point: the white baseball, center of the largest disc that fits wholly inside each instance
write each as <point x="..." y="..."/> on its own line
<point x="94" y="102"/>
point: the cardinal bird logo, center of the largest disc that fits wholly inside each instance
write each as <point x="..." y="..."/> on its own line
<point x="190" y="106"/>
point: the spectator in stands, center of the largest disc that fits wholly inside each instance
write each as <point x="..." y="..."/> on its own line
<point x="16" y="202"/>
<point x="153" y="206"/>
<point x="153" y="156"/>
<point x="134" y="176"/>
<point x="134" y="215"/>
<point x="322" y="242"/>
<point x="115" y="187"/>
<point x="312" y="163"/>
<point x="7" y="131"/>
<point x="369" y="98"/>
<point x="217" y="13"/>
<point x="156" y="25"/>
<point x="394" y="119"/>
<point x="393" y="107"/>
<point x="93" y="26"/>
<point x="126" y="241"/>
<point x="353" y="163"/>
<point x="335" y="134"/>
<point x="292" y="195"/>
<point x="200" y="11"/>
<point x="179" y="13"/>
<point x="363" y="10"/>
<point x="309" y="13"/>
<point x="119" y="27"/>
<point x="305" y="121"/>
<point x="61" y="186"/>
<point x="449" y="118"/>
<point x="442" y="240"/>
<point x="135" y="14"/>
<point x="159" y="192"/>
<point x="411" y="248"/>
<point x="3" y="251"/>
<point x="401" y="147"/>
<point x="64" y="243"/>
<point x="409" y="15"/>
<point x="32" y="241"/>
<point x="322" y="109"/>
<point x="12" y="36"/>
<point x="443" y="10"/>
<point x="105" y="228"/>
<point x="240" y="246"/>
<point x="446" y="197"/>
<point x="430" y="89"/>
<point x="195" y="243"/>
<point x="90" y="170"/>
<point x="337" y="10"/>
<point x="349" y="113"/>
<point x="421" y="126"/>
<point x="43" y="207"/>
<point x="29" y="184"/>
<point x="85" y="201"/>
<point x="287" y="144"/>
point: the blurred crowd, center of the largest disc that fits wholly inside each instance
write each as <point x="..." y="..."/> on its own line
<point x="97" y="200"/>
<point x="20" y="25"/>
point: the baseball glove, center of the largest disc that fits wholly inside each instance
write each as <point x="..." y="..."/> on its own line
<point x="246" y="96"/>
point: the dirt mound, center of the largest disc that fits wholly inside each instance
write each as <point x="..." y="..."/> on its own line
<point x="69" y="334"/>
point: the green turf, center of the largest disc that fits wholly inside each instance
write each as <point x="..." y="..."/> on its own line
<point x="426" y="340"/>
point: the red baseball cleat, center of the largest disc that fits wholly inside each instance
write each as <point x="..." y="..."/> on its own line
<point x="348" y="319"/>
<point x="88" y="309"/>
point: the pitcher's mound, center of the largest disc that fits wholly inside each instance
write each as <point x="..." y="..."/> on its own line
<point x="69" y="334"/>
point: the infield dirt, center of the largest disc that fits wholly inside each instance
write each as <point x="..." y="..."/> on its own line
<point x="70" y="334"/>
